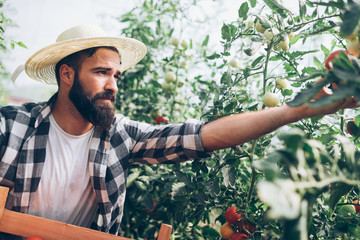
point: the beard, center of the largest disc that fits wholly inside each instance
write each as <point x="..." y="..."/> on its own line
<point x="92" y="108"/>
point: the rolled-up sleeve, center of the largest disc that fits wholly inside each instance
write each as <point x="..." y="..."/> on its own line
<point x="170" y="143"/>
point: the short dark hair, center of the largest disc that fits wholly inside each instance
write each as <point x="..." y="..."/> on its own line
<point x="75" y="60"/>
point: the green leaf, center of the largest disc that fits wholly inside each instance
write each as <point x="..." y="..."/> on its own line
<point x="325" y="50"/>
<point x="257" y="61"/>
<point x="206" y="41"/>
<point x="308" y="70"/>
<point x="277" y="7"/>
<point x="347" y="76"/>
<point x="184" y="178"/>
<point x="213" y="56"/>
<point x="295" y="39"/>
<point x="148" y="170"/>
<point x="269" y="166"/>
<point x="287" y="92"/>
<point x="226" y="79"/>
<point x="264" y="22"/>
<point x="230" y="106"/>
<point x="314" y="14"/>
<point x="228" y="173"/>
<point x="338" y="190"/>
<point x="306" y="95"/>
<point x="348" y="151"/>
<point x="226" y="32"/>
<point x="252" y="3"/>
<point x="350" y="19"/>
<point x="338" y="95"/>
<point x="178" y="189"/>
<point x="21" y="44"/>
<point x="210" y="233"/>
<point x="243" y="10"/>
<point x="254" y="47"/>
<point x="292" y="138"/>
<point x="140" y="185"/>
<point x="343" y="62"/>
<point x="214" y="188"/>
<point x="302" y="8"/>
<point x="318" y="63"/>
<point x="133" y="176"/>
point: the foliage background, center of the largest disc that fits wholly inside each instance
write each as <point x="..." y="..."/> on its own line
<point x="194" y="196"/>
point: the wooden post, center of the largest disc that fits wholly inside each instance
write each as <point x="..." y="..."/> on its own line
<point x="165" y="232"/>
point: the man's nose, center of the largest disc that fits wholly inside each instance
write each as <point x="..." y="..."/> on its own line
<point x="111" y="84"/>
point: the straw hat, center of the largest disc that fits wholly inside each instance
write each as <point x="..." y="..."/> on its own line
<point x="41" y="65"/>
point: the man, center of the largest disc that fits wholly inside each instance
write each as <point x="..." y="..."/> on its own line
<point x="67" y="159"/>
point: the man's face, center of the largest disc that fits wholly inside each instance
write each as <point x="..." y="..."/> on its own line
<point x="95" y="85"/>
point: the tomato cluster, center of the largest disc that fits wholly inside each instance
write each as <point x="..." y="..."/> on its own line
<point x="236" y="227"/>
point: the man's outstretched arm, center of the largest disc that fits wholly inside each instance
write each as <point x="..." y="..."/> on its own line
<point x="243" y="127"/>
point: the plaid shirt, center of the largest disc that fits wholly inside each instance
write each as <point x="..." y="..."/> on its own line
<point x="24" y="134"/>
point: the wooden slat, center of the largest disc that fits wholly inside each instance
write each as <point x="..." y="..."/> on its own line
<point x="27" y="225"/>
<point x="3" y="196"/>
<point x="165" y="232"/>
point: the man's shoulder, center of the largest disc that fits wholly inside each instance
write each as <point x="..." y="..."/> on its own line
<point x="30" y="109"/>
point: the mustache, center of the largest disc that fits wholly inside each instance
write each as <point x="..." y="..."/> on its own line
<point x="105" y="95"/>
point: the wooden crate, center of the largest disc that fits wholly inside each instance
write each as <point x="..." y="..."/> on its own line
<point x="26" y="225"/>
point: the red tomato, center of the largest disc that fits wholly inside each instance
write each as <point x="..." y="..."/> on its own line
<point x="246" y="225"/>
<point x="232" y="215"/>
<point x="357" y="207"/>
<point x="160" y="120"/>
<point x="239" y="236"/>
<point x="330" y="59"/>
<point x="34" y="238"/>
<point x="352" y="129"/>
<point x="151" y="212"/>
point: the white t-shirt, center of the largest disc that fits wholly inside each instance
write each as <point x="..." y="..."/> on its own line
<point x="65" y="190"/>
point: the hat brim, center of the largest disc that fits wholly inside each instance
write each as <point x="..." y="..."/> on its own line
<point x="41" y="65"/>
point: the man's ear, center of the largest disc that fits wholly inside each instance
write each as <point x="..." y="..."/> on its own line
<point x="66" y="74"/>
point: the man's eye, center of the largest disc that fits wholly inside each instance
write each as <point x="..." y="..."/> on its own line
<point x="102" y="72"/>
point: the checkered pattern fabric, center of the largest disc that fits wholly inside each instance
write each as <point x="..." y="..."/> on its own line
<point x="23" y="137"/>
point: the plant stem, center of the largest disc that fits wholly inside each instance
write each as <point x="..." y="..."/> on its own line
<point x="253" y="172"/>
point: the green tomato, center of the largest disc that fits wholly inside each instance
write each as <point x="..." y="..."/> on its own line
<point x="180" y="83"/>
<point x="235" y="63"/>
<point x="184" y="44"/>
<point x="183" y="64"/>
<point x="170" y="77"/>
<point x="347" y="209"/>
<point x="271" y="99"/>
<point x="282" y="83"/>
<point x="284" y="43"/>
<point x="270" y="33"/>
<point x="259" y="27"/>
<point x="175" y="41"/>
<point x="168" y="87"/>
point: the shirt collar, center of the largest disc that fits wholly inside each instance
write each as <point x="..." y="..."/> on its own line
<point x="45" y="111"/>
